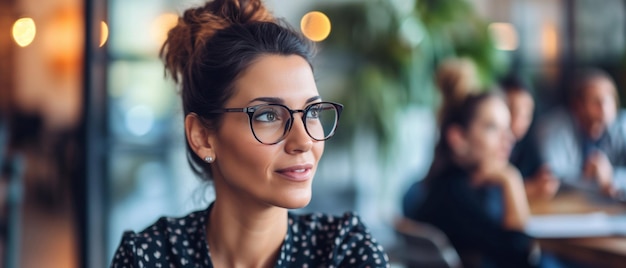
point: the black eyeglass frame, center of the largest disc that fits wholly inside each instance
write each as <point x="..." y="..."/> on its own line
<point x="252" y="109"/>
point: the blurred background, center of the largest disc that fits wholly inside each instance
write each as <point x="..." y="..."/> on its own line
<point x="91" y="134"/>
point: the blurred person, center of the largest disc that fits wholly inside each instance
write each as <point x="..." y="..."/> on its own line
<point x="525" y="156"/>
<point x="255" y="127"/>
<point x="472" y="192"/>
<point x="586" y="142"/>
<point x="455" y="78"/>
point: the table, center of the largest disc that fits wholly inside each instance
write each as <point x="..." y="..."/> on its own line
<point x="598" y="251"/>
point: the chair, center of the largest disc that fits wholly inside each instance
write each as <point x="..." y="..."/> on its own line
<point x="423" y="245"/>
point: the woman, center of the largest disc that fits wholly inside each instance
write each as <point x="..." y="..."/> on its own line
<point x="473" y="194"/>
<point x="255" y="126"/>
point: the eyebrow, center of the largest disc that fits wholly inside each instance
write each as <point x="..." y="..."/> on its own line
<point x="281" y="101"/>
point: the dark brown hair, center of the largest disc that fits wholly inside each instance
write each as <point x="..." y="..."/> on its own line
<point x="456" y="78"/>
<point x="212" y="45"/>
<point x="513" y="83"/>
<point x="461" y="115"/>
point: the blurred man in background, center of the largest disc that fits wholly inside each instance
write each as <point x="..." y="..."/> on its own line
<point x="585" y="145"/>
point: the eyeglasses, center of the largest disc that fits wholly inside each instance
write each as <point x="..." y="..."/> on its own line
<point x="270" y="123"/>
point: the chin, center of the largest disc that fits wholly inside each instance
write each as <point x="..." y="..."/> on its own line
<point x="500" y="163"/>
<point x="295" y="199"/>
<point x="294" y="204"/>
<point x="297" y="205"/>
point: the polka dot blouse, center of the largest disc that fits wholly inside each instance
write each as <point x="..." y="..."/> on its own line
<point x="312" y="240"/>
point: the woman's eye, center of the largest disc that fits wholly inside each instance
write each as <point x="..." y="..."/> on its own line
<point x="313" y="113"/>
<point x="491" y="127"/>
<point x="266" y="116"/>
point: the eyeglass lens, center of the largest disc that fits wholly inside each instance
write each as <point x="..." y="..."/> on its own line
<point x="271" y="123"/>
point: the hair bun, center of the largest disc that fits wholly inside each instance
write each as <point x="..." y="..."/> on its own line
<point x="239" y="11"/>
<point x="197" y="25"/>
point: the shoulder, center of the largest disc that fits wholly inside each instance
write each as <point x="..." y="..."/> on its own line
<point x="556" y="128"/>
<point x="169" y="240"/>
<point x="557" y="118"/>
<point x="174" y="230"/>
<point x="557" y="113"/>
<point x="449" y="194"/>
<point x="345" y="240"/>
<point x="620" y="123"/>
<point x="331" y="225"/>
<point x="453" y="180"/>
<point x="413" y="198"/>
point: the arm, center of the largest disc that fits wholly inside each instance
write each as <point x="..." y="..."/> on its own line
<point x="542" y="185"/>
<point x="516" y="211"/>
<point x="619" y="168"/>
<point x="539" y="182"/>
<point x="412" y="200"/>
<point x="460" y="215"/>
<point x="619" y="177"/>
<point x="598" y="167"/>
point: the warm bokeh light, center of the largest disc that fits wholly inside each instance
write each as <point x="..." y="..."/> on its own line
<point x="104" y="33"/>
<point x="162" y="25"/>
<point x="62" y="39"/>
<point x="315" y="25"/>
<point x="550" y="41"/>
<point x="24" y="31"/>
<point x="504" y="36"/>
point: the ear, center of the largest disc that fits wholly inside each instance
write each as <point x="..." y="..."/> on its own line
<point x="455" y="136"/>
<point x="199" y="136"/>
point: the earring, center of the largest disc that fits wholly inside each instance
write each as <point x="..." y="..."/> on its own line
<point x="208" y="159"/>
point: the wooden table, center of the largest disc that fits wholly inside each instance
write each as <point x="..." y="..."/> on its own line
<point x="597" y="251"/>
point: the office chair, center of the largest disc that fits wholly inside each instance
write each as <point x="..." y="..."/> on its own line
<point x="423" y="245"/>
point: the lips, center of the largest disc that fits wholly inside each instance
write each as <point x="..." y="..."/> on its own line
<point x="297" y="172"/>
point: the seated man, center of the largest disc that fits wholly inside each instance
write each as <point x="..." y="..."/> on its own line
<point x="525" y="156"/>
<point x="587" y="141"/>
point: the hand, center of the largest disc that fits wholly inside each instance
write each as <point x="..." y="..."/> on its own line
<point x="498" y="176"/>
<point x="543" y="185"/>
<point x="516" y="211"/>
<point x="599" y="168"/>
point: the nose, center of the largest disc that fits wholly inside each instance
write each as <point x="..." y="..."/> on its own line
<point x="298" y="140"/>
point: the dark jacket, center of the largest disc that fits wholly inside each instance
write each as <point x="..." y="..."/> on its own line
<point x="471" y="217"/>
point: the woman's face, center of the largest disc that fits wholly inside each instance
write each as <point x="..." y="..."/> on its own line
<point x="276" y="175"/>
<point x="488" y="137"/>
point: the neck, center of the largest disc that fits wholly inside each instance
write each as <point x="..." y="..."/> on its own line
<point x="594" y="133"/>
<point x="242" y="233"/>
<point x="590" y="130"/>
<point x="464" y="164"/>
<point x="470" y="168"/>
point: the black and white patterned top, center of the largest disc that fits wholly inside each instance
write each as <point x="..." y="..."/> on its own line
<point x="312" y="240"/>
